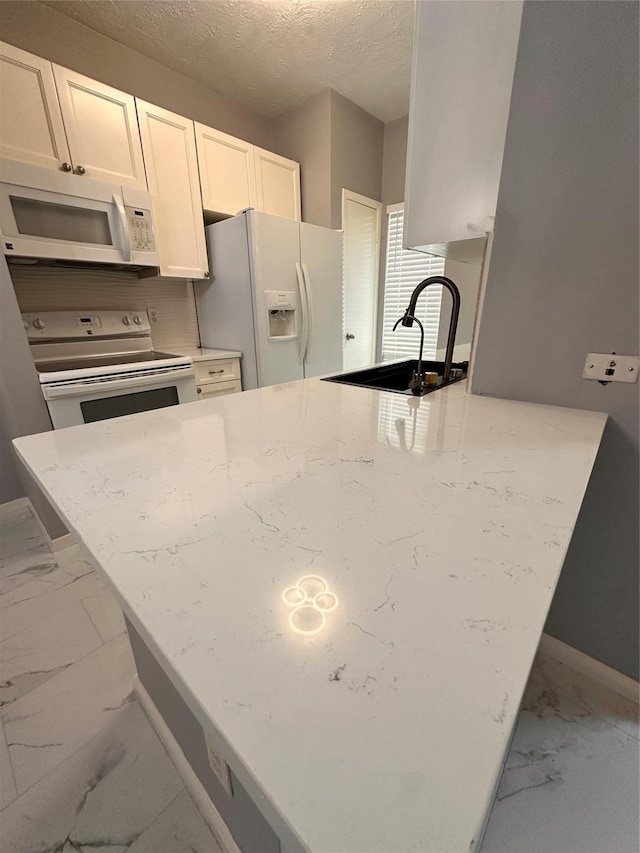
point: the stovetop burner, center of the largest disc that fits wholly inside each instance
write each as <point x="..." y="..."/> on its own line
<point x="86" y="362"/>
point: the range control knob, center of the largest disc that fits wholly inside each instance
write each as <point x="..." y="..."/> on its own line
<point x="126" y="321"/>
<point x="38" y="323"/>
<point x="137" y="320"/>
<point x="26" y="324"/>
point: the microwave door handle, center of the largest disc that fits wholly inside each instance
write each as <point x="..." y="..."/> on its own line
<point x="124" y="227"/>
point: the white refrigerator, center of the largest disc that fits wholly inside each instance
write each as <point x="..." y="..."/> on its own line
<point x="275" y="294"/>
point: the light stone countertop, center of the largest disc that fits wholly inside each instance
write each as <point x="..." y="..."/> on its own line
<point x="204" y="354"/>
<point x="439" y="524"/>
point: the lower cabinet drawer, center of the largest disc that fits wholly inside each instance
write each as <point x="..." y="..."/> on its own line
<point x="218" y="389"/>
<point x="220" y="370"/>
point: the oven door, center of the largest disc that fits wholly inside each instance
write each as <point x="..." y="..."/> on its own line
<point x="98" y="399"/>
<point x="65" y="217"/>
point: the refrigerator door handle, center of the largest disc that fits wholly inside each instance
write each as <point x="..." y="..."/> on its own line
<point x="302" y="334"/>
<point x="307" y="283"/>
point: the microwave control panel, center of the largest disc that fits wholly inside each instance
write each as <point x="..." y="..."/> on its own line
<point x="141" y="228"/>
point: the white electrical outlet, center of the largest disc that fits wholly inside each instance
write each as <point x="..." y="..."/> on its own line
<point x="219" y="767"/>
<point x="154" y="316"/>
<point x="609" y="367"/>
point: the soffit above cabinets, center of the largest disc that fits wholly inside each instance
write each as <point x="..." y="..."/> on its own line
<point x="270" y="55"/>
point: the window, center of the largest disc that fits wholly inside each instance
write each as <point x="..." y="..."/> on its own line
<point x="404" y="269"/>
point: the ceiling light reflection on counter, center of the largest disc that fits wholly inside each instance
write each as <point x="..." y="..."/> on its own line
<point x="311" y="600"/>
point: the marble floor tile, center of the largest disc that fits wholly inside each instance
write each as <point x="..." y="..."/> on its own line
<point x="51" y="722"/>
<point x="37" y="563"/>
<point x="102" y="798"/>
<point x="28" y="605"/>
<point x="20" y="533"/>
<point x="105" y="613"/>
<point x="571" y="781"/>
<point x="32" y="657"/>
<point x="179" y="829"/>
<point x="8" y="790"/>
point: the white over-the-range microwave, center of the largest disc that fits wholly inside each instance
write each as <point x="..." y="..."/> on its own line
<point x="64" y="217"/>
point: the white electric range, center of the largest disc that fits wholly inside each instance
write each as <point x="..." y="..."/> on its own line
<point x="98" y="365"/>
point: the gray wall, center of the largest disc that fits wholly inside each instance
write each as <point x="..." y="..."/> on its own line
<point x="338" y="145"/>
<point x="563" y="281"/>
<point x="46" y="32"/>
<point x="394" y="160"/>
<point x="22" y="407"/>
<point x="304" y="134"/>
<point x="10" y="485"/>
<point x="357" y="140"/>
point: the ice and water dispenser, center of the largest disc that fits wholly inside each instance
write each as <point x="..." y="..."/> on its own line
<point x="281" y="309"/>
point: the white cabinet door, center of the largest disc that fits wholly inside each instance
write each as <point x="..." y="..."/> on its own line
<point x="31" y="129"/>
<point x="102" y="129"/>
<point x="218" y="389"/>
<point x="169" y="147"/>
<point x="278" y="184"/>
<point x="227" y="174"/>
<point x="460" y="99"/>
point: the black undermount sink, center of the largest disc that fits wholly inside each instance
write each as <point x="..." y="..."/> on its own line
<point x="397" y="376"/>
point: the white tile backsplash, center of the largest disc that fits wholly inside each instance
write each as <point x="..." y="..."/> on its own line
<point x="56" y="289"/>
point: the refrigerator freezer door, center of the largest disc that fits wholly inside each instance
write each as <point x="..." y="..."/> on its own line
<point x="321" y="255"/>
<point x="274" y="252"/>
<point x="225" y="317"/>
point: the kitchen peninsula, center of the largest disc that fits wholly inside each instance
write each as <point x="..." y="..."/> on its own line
<point x="345" y="589"/>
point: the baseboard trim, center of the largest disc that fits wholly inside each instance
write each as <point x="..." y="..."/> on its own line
<point x="610" y="678"/>
<point x="61" y="542"/>
<point x="193" y="785"/>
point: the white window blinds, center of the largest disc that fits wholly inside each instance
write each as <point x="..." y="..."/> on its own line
<point x="404" y="270"/>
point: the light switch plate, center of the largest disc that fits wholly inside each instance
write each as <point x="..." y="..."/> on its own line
<point x="219" y="767"/>
<point x="607" y="367"/>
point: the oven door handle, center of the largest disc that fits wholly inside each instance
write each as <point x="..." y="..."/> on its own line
<point x="124" y="227"/>
<point x="79" y="387"/>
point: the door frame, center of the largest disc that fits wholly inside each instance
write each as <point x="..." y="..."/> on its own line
<point x="350" y="195"/>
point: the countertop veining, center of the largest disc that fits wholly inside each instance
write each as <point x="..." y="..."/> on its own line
<point x="374" y="717"/>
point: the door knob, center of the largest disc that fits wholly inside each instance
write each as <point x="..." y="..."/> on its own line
<point x="349" y="336"/>
<point x="79" y="170"/>
<point x="65" y="167"/>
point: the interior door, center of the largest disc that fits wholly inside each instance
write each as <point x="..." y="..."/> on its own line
<point x="31" y="129"/>
<point x="361" y="222"/>
<point x="321" y="256"/>
<point x="274" y="253"/>
<point x="102" y="130"/>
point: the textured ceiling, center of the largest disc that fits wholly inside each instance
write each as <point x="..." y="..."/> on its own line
<point x="270" y="55"/>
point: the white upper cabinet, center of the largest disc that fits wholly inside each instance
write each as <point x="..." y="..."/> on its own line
<point x="278" y="184"/>
<point x="227" y="174"/>
<point x="101" y="128"/>
<point x="31" y="129"/>
<point x="169" y="146"/>
<point x="462" y="75"/>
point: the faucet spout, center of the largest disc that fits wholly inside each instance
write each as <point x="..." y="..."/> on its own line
<point x="410" y="313"/>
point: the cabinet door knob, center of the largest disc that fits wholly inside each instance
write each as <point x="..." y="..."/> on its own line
<point x="349" y="336"/>
<point x="79" y="170"/>
<point x="199" y="390"/>
<point x="65" y="167"/>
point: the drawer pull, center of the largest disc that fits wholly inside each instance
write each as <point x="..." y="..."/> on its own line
<point x="213" y="372"/>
